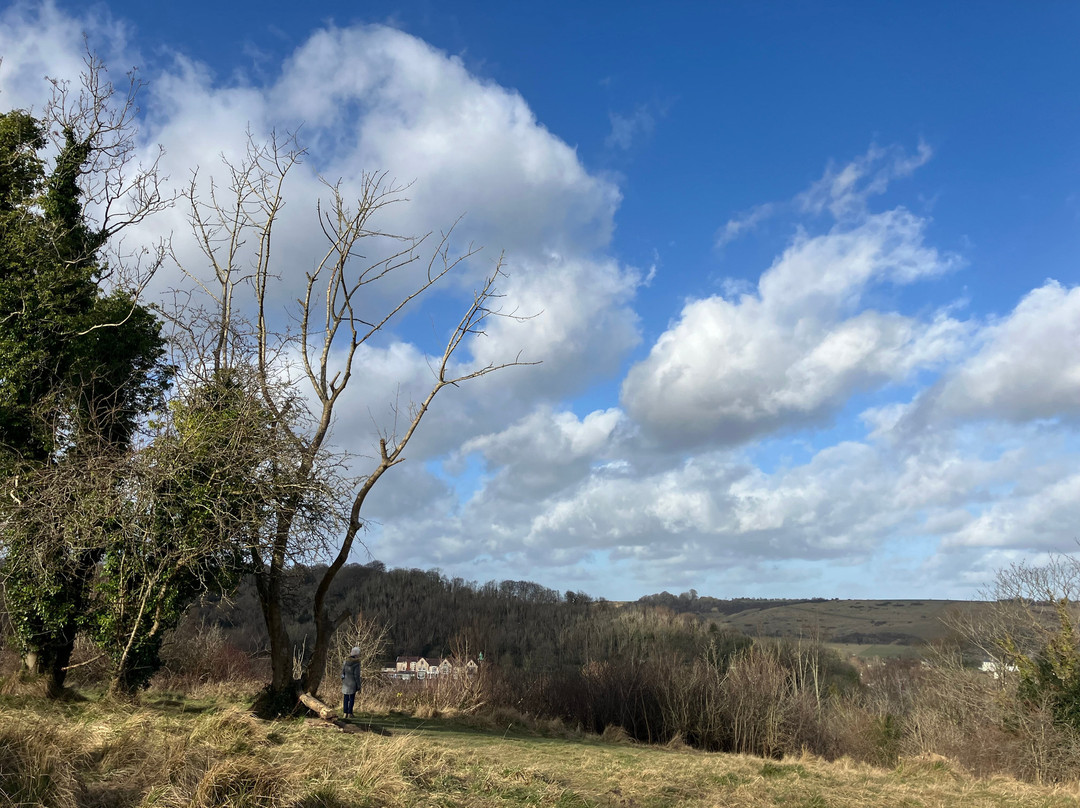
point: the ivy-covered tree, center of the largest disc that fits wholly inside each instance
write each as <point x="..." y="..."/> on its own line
<point x="199" y="497"/>
<point x="46" y="292"/>
<point x="81" y="360"/>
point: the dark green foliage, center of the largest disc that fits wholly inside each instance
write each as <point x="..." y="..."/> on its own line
<point x="22" y="172"/>
<point x="203" y="489"/>
<point x="44" y="291"/>
<point x="1052" y="674"/>
<point x="79" y="366"/>
<point x="118" y="374"/>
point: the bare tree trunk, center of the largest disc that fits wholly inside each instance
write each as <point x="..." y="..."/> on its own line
<point x="280" y="695"/>
<point x="324" y="632"/>
<point x="324" y="626"/>
<point x="61" y="658"/>
<point x="330" y="333"/>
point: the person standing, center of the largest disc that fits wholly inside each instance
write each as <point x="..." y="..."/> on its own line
<point x="350" y="681"/>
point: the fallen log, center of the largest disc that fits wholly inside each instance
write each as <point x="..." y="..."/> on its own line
<point x="316" y="706"/>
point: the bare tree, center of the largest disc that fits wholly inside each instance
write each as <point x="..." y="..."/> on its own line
<point x="1030" y="630"/>
<point x="118" y="191"/>
<point x="234" y="227"/>
<point x="1024" y="609"/>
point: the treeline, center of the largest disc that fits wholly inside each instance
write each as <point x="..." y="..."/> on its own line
<point x="515" y="624"/>
<point x="690" y="603"/>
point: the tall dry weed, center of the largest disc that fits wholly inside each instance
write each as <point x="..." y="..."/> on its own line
<point x="446" y="696"/>
<point x="36" y="764"/>
<point x="198" y="654"/>
<point x="230" y="783"/>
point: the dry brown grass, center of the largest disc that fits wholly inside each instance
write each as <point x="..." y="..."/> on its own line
<point x="175" y="752"/>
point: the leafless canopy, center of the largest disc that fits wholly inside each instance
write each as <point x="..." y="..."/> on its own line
<point x="303" y="368"/>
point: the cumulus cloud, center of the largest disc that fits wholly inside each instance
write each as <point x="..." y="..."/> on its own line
<point x="545" y="452"/>
<point x="641" y="491"/>
<point x="1046" y="519"/>
<point x="374" y="97"/>
<point x="794" y="352"/>
<point x="933" y="507"/>
<point x="37" y="40"/>
<point x="1027" y="366"/>
<point x="581" y="322"/>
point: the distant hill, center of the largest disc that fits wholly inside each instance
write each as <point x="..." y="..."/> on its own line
<point x="856" y="622"/>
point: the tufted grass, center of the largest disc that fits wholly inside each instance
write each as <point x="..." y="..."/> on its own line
<point x="173" y="750"/>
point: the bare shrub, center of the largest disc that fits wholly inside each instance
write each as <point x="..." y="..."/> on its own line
<point x="88" y="665"/>
<point x="198" y="654"/>
<point x="625" y="694"/>
<point x="755" y="692"/>
<point x="983" y="725"/>
<point x="371" y="638"/>
<point x="445" y="695"/>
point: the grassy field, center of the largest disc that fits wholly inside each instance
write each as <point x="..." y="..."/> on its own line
<point x="855" y="622"/>
<point x="178" y="751"/>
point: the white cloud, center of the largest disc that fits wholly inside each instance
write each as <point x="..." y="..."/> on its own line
<point x="545" y="452"/>
<point x="731" y="370"/>
<point x="1046" y="519"/>
<point x="582" y="322"/>
<point x="745" y="223"/>
<point x="627" y="129"/>
<point x="39" y="40"/>
<point x="1027" y="366"/>
<point x="845" y="191"/>
<point x="373" y="97"/>
<point x="929" y="505"/>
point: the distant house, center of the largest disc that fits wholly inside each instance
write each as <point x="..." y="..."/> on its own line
<point x="406" y="663"/>
<point x="410" y="667"/>
<point x="996" y="668"/>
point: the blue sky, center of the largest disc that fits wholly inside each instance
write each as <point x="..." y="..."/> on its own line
<point x="807" y="272"/>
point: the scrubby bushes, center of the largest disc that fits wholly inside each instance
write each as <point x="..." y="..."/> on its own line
<point x="654" y="677"/>
<point x="772" y="699"/>
<point x="199" y="654"/>
<point x="767" y="699"/>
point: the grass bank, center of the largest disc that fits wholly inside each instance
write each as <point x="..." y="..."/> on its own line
<point x="173" y="750"/>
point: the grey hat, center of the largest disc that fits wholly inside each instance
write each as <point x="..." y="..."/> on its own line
<point x="355" y="651"/>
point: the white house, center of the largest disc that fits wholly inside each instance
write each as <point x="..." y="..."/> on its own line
<point x="994" y="667"/>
